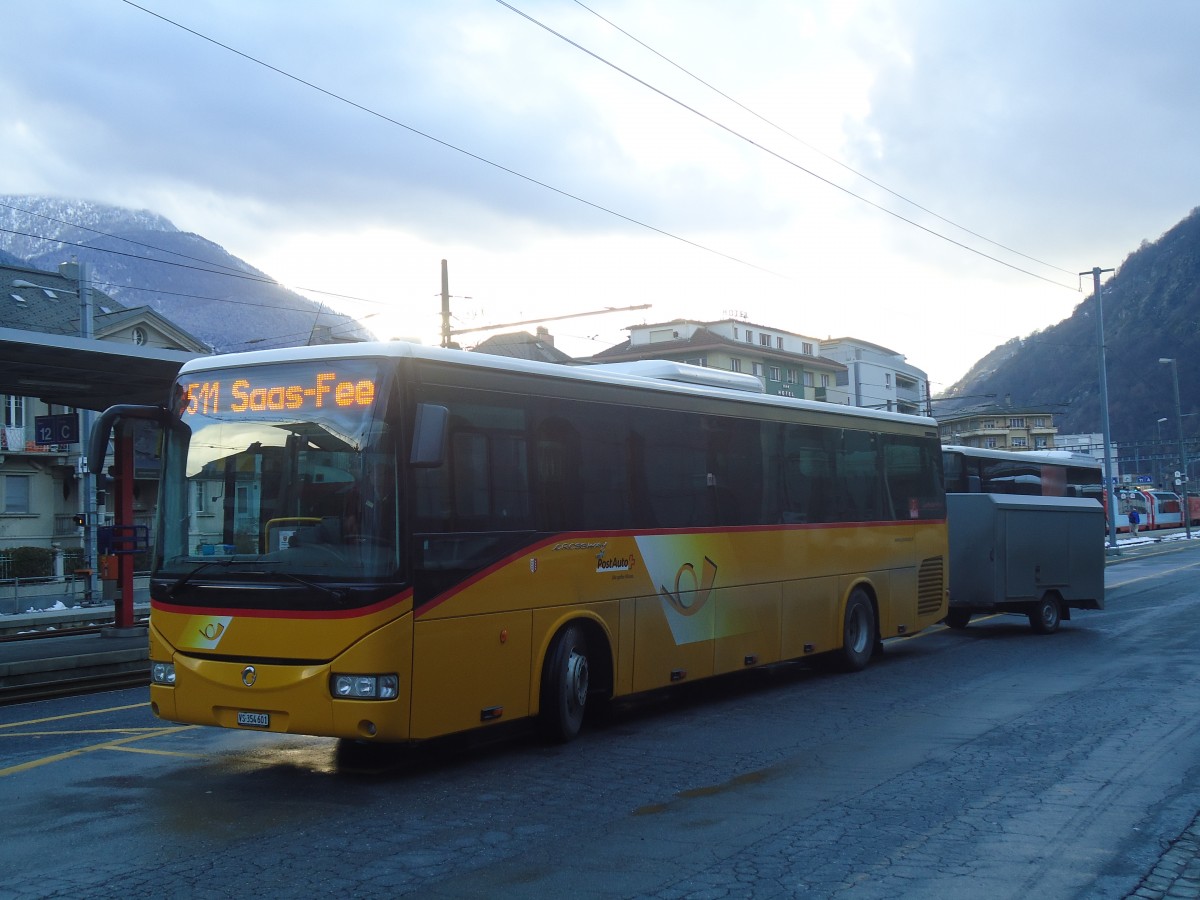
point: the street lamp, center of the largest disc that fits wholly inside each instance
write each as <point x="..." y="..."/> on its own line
<point x="1183" y="475"/>
<point x="1159" y="455"/>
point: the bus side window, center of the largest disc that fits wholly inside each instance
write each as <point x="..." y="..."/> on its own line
<point x="557" y="474"/>
<point x="858" y="478"/>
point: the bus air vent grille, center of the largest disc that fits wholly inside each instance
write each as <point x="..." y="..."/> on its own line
<point x="931" y="585"/>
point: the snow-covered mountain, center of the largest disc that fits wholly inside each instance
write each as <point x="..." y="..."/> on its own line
<point x="140" y="259"/>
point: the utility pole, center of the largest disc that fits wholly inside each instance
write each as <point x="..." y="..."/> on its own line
<point x="1110" y="493"/>
<point x="90" y="509"/>
<point x="445" y="305"/>
<point x="448" y="334"/>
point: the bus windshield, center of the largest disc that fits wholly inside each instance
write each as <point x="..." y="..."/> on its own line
<point x="287" y="469"/>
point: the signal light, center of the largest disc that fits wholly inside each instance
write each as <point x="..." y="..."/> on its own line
<point x="80" y="519"/>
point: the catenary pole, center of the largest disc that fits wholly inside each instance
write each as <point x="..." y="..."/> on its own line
<point x="1109" y="482"/>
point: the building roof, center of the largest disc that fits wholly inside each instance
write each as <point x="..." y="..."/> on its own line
<point x="704" y="339"/>
<point x="43" y="355"/>
<point x="523" y="345"/>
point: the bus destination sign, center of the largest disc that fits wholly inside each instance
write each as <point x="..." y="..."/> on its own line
<point x="240" y="394"/>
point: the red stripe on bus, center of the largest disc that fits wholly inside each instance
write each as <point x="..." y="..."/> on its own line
<point x="581" y="537"/>
<point x="239" y="612"/>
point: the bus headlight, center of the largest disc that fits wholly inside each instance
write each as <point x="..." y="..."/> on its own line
<point x="162" y="673"/>
<point x="365" y="687"/>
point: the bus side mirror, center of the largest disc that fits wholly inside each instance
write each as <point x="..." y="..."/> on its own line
<point x="429" y="436"/>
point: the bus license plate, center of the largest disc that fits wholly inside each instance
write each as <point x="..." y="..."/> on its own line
<point x="254" y="720"/>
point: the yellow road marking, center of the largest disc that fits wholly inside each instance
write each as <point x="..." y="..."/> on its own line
<point x="80" y="731"/>
<point x="1154" y="575"/>
<point x="160" y="752"/>
<point x="79" y="751"/>
<point x="90" y="712"/>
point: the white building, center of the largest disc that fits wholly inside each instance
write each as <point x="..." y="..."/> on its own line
<point x="877" y="377"/>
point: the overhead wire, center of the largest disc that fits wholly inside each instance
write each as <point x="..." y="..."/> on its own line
<point x="774" y="153"/>
<point x="503" y="168"/>
<point x="817" y="150"/>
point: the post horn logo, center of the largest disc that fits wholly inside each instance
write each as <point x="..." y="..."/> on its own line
<point x="688" y="601"/>
<point x="249" y="676"/>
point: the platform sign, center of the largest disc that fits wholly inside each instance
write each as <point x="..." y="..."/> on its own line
<point x="56" y="429"/>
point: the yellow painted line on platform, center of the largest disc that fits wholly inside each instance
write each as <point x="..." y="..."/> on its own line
<point x="79" y="751"/>
<point x="90" y="712"/>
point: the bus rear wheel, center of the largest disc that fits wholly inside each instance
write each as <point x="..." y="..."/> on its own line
<point x="859" y="636"/>
<point x="1045" y="615"/>
<point x="565" y="683"/>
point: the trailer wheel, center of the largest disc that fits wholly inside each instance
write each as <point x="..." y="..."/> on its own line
<point x="957" y="617"/>
<point x="1046" y="615"/>
<point x="859" y="635"/>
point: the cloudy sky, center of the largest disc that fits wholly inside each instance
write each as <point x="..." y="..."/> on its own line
<point x="930" y="175"/>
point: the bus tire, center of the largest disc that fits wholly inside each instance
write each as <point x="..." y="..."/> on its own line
<point x="958" y="618"/>
<point x="859" y="634"/>
<point x="565" y="684"/>
<point x="1045" y="615"/>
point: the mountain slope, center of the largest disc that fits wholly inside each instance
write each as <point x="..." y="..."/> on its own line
<point x="1151" y="311"/>
<point x="140" y="259"/>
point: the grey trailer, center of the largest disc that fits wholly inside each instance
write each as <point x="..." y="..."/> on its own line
<point x="1038" y="556"/>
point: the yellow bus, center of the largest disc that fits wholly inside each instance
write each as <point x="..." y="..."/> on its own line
<point x="388" y="543"/>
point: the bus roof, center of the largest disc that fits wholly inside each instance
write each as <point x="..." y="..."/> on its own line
<point x="660" y="375"/>
<point x="1048" y="457"/>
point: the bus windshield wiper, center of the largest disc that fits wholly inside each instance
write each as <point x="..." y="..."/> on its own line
<point x="338" y="596"/>
<point x="187" y="576"/>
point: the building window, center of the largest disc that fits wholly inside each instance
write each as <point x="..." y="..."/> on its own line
<point x="887" y="379"/>
<point x="696" y="361"/>
<point x="765" y="340"/>
<point x="749" y="336"/>
<point x="843" y="378"/>
<point x="14" y="411"/>
<point x="988" y="423"/>
<point x="735" y="365"/>
<point x="1039" y="422"/>
<point x="990" y="443"/>
<point x="806" y="348"/>
<point x="808" y="379"/>
<point x="1016" y="423"/>
<point x="791" y="376"/>
<point x="778" y="343"/>
<point x="735" y="332"/>
<point x="16" y="494"/>
<point x="775" y="373"/>
<point x="757" y="368"/>
<point x="825" y="381"/>
<point x="1020" y="443"/>
<point x="1041" y="443"/>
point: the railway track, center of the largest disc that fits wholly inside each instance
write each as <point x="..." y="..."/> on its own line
<point x="72" y="686"/>
<point x="70" y="661"/>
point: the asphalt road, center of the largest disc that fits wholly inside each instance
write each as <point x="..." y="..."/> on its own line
<point x="988" y="763"/>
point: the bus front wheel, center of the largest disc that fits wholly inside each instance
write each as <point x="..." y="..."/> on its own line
<point x="565" y="685"/>
<point x="1046" y="615"/>
<point x="859" y="636"/>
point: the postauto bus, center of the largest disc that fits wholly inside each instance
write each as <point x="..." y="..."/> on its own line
<point x="387" y="542"/>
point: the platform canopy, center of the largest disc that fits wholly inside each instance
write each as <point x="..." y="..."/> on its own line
<point x="87" y="374"/>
